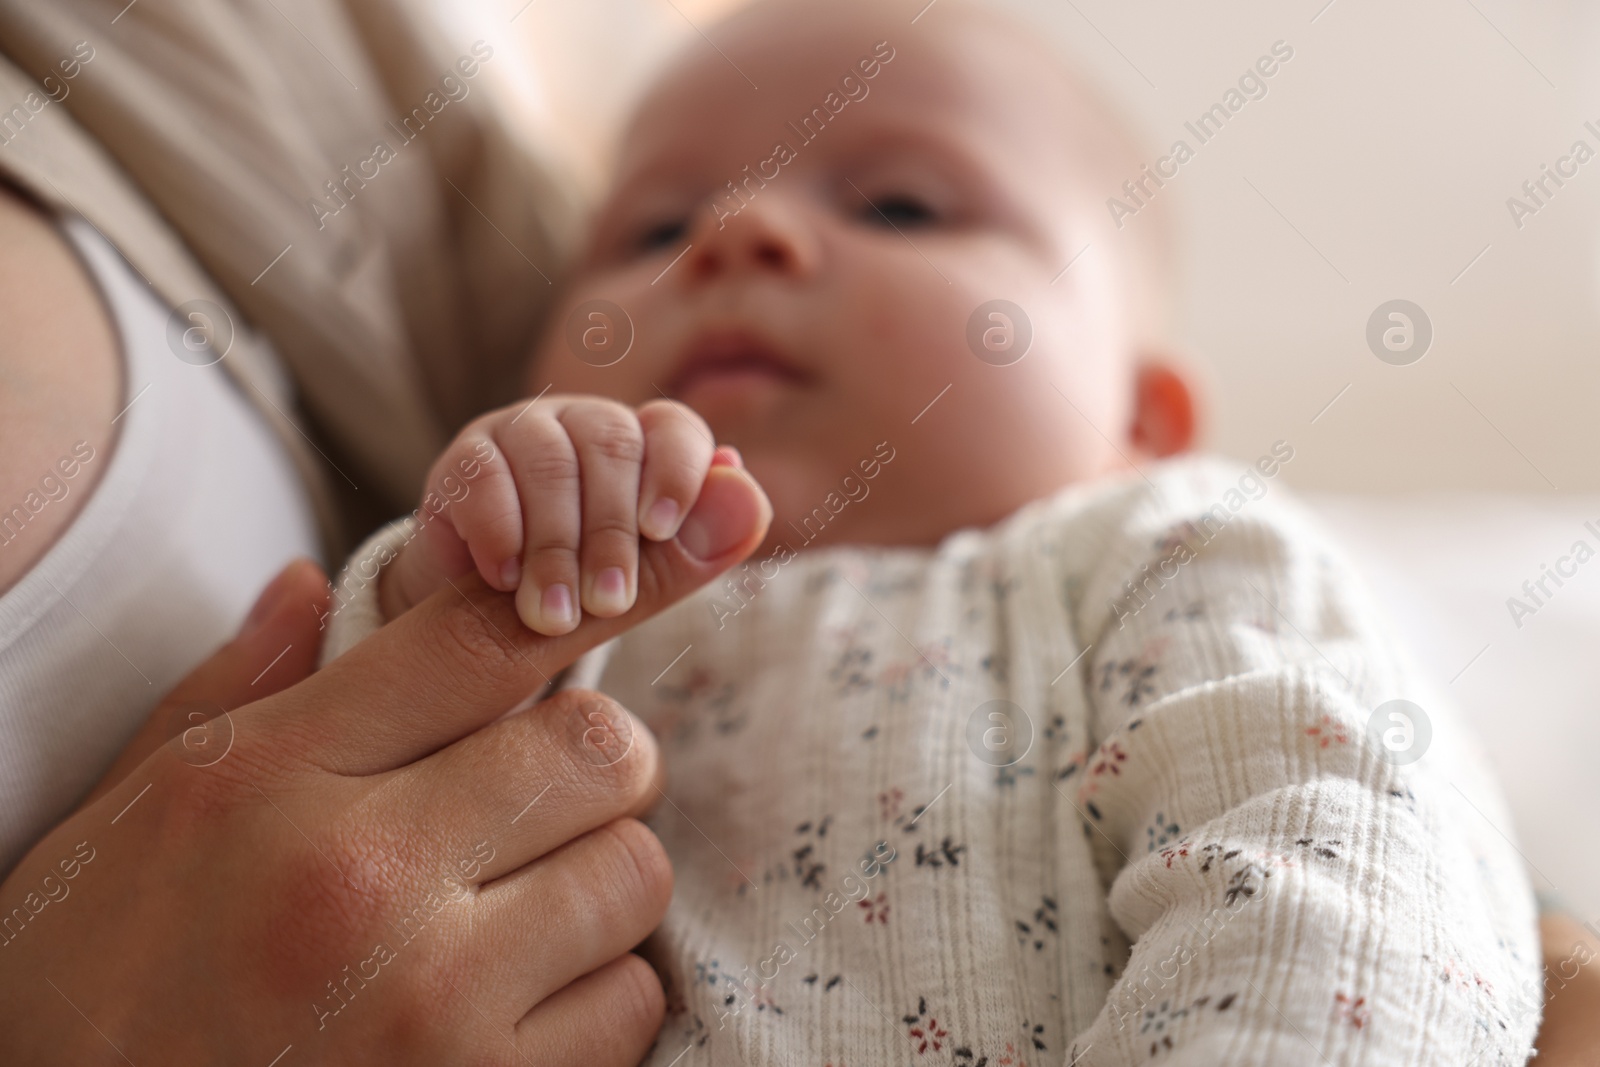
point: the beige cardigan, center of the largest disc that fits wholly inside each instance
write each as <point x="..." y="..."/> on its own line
<point x="196" y="137"/>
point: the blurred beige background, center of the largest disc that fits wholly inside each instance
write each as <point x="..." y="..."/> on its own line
<point x="1377" y="167"/>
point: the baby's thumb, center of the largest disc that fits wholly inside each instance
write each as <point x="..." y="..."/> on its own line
<point x="726" y="524"/>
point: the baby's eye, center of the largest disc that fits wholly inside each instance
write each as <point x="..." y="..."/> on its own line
<point x="662" y="234"/>
<point x="899" y="210"/>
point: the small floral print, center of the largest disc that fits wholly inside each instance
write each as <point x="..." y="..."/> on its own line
<point x="1326" y="850"/>
<point x="925" y="1032"/>
<point x="1108" y="760"/>
<point x="1213" y="852"/>
<point x="908" y="821"/>
<point x="1157" y="1023"/>
<point x="889" y="802"/>
<point x="828" y="986"/>
<point x="1246" y="882"/>
<point x="1328" y="732"/>
<point x="931" y="664"/>
<point x="851" y="671"/>
<point x="996" y="666"/>
<point x="946" y="854"/>
<point x="1135" y="675"/>
<point x="1463" y="978"/>
<point x="1007" y="776"/>
<point x="965" y="1057"/>
<point x="1351" y="1009"/>
<point x="877" y="909"/>
<point x="1176" y="852"/>
<point x="806" y="867"/>
<point x="1044" y="921"/>
<point x="1188" y="613"/>
<point x="804" y="861"/>
<point x="1160" y="832"/>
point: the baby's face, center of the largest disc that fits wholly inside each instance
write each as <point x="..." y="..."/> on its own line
<point x="826" y="309"/>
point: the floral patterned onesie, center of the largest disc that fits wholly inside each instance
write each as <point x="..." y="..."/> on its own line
<point x="1130" y="778"/>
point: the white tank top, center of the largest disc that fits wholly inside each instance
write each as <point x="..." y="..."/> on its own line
<point x="197" y="507"/>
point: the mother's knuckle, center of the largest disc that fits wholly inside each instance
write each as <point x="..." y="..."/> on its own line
<point x="469" y="640"/>
<point x="602" y="741"/>
<point x="639" y="1002"/>
<point x="639" y="864"/>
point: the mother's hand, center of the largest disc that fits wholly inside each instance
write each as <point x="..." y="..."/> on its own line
<point x="367" y="866"/>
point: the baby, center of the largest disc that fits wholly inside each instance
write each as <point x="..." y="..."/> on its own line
<point x="1017" y="741"/>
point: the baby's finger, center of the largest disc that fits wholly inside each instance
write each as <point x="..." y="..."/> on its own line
<point x="610" y="446"/>
<point x="677" y="453"/>
<point x="485" y="510"/>
<point x="545" y="468"/>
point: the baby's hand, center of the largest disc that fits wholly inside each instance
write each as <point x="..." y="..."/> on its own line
<point x="558" y="495"/>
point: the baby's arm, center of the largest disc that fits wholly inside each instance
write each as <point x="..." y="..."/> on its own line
<point x="560" y="491"/>
<point x="1295" y="890"/>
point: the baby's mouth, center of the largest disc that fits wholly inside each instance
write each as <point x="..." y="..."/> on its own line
<point x="722" y="365"/>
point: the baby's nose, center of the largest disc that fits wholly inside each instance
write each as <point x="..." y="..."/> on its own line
<point x="753" y="233"/>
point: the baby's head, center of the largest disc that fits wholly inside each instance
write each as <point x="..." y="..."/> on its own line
<point x="806" y="218"/>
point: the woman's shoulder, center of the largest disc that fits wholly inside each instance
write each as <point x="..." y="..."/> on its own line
<point x="60" y="380"/>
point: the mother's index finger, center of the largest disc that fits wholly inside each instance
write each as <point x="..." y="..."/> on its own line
<point x="462" y="658"/>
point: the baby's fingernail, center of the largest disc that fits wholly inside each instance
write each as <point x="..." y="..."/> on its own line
<point x="722" y="517"/>
<point x="727" y="456"/>
<point x="510" y="571"/>
<point x="555" y="609"/>
<point x="661" y="519"/>
<point x="610" y="593"/>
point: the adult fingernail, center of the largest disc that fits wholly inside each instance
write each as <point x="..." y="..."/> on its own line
<point x="661" y="519"/>
<point x="721" y="518"/>
<point x="610" y="592"/>
<point x="268" y="603"/>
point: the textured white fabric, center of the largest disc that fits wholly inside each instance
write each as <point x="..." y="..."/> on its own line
<point x="197" y="507"/>
<point x="1179" y="846"/>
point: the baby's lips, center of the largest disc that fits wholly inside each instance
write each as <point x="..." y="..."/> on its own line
<point x="731" y="511"/>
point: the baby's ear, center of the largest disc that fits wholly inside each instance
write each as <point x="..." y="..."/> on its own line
<point x="1165" y="409"/>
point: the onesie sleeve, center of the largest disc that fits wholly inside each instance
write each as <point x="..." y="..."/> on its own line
<point x="353" y="611"/>
<point x="1307" y="871"/>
